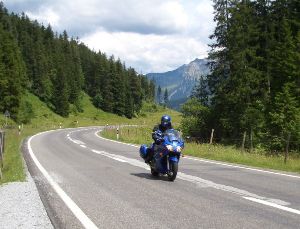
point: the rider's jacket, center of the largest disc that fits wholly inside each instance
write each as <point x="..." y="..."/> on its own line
<point x="157" y="132"/>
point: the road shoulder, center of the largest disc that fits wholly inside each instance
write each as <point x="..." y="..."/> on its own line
<point x="21" y="205"/>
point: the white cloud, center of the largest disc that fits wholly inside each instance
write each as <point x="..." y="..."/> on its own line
<point x="45" y="16"/>
<point x="147" y="52"/>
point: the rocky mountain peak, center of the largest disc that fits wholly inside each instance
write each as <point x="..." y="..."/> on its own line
<point x="181" y="81"/>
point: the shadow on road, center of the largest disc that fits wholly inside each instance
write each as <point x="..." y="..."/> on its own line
<point x="150" y="177"/>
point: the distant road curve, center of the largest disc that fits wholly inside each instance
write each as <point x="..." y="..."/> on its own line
<point x="86" y="181"/>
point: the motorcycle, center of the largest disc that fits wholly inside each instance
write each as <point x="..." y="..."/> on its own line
<point x="166" y="155"/>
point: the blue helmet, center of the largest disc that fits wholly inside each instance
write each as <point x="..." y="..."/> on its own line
<point x="166" y="120"/>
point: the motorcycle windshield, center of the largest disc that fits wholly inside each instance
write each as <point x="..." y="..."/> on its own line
<point x="173" y="135"/>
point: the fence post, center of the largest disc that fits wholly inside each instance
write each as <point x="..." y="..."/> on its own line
<point x="287" y="147"/>
<point x="244" y="139"/>
<point x="251" y="140"/>
<point x="211" y="136"/>
<point x="1" y="151"/>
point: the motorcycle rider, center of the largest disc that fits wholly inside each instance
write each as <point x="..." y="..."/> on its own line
<point x="157" y="135"/>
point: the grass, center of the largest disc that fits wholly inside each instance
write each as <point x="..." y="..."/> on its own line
<point x="12" y="165"/>
<point x="45" y="119"/>
<point x="142" y="135"/>
<point x="233" y="155"/>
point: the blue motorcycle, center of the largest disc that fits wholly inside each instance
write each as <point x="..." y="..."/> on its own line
<point x="166" y="154"/>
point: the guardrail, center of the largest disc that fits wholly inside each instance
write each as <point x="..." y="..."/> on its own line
<point x="2" y="141"/>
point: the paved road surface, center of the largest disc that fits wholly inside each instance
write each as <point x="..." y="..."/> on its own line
<point x="87" y="181"/>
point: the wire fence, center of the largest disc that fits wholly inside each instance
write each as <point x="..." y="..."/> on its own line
<point x="288" y="145"/>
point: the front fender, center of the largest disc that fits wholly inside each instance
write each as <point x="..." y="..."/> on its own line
<point x="173" y="159"/>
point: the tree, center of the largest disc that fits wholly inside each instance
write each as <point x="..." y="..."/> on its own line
<point x="195" y="119"/>
<point x="152" y="90"/>
<point x="201" y="91"/>
<point x="285" y="118"/>
<point x="118" y="89"/>
<point x="166" y="97"/>
<point x="159" y="94"/>
<point x="12" y="73"/>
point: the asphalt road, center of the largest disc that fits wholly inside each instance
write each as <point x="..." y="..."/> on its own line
<point x="88" y="181"/>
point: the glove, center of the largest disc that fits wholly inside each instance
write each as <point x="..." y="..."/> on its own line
<point x="158" y="141"/>
<point x="158" y="136"/>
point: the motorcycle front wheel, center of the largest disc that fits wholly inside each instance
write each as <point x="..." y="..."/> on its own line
<point x="173" y="171"/>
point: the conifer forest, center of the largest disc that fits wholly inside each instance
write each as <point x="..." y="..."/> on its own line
<point x="253" y="89"/>
<point x="58" y="69"/>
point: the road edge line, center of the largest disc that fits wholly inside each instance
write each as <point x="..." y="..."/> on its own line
<point x="272" y="205"/>
<point x="79" y="214"/>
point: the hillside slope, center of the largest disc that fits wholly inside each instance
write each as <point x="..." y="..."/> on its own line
<point x="44" y="118"/>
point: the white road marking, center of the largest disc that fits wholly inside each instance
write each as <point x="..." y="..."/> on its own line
<point x="78" y="142"/>
<point x="106" y="139"/>
<point x="83" y="146"/>
<point x="273" y="205"/>
<point x="212" y="162"/>
<point x="80" y="215"/>
<point x="112" y="156"/>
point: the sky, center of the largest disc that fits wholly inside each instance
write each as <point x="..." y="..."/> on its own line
<point x="149" y="35"/>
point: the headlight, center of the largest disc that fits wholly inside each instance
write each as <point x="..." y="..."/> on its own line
<point x="178" y="149"/>
<point x="170" y="148"/>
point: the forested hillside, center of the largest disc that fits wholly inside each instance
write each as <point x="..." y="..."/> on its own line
<point x="254" y="85"/>
<point x="57" y="68"/>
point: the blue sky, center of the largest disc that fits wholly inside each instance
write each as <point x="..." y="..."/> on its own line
<point x="149" y="35"/>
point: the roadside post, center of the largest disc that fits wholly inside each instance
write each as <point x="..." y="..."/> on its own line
<point x="2" y="137"/>
<point x="211" y="136"/>
<point x="117" y="133"/>
<point x="7" y="115"/>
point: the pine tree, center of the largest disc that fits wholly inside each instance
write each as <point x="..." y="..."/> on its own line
<point x="135" y="87"/>
<point x="166" y="97"/>
<point x="60" y="95"/>
<point x="152" y="90"/>
<point x="159" y="94"/>
<point x="12" y="73"/>
<point x="201" y="91"/>
<point x="285" y="118"/>
<point x="118" y="89"/>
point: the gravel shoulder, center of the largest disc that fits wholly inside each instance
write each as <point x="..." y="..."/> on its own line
<point x="21" y="206"/>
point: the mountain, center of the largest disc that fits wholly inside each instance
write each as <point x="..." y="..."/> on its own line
<point x="181" y="81"/>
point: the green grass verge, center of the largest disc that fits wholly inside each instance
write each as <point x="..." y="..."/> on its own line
<point x="44" y="119"/>
<point x="142" y="135"/>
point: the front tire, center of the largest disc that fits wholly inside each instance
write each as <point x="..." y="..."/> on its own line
<point x="173" y="171"/>
<point x="154" y="173"/>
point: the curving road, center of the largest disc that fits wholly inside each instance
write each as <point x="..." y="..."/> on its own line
<point x="87" y="181"/>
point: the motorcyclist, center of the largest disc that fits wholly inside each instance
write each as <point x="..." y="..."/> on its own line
<point x="157" y="135"/>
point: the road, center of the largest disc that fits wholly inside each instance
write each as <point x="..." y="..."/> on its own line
<point x="87" y="181"/>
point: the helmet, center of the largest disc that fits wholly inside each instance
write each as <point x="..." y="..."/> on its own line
<point x="166" y="120"/>
<point x="143" y="151"/>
